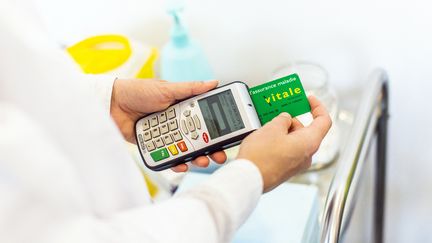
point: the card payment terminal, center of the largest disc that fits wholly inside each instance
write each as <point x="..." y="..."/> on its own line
<point x="197" y="126"/>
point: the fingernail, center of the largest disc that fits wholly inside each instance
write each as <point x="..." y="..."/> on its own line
<point x="211" y="81"/>
<point x="285" y="114"/>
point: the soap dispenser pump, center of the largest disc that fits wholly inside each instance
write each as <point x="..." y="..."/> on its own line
<point x="182" y="59"/>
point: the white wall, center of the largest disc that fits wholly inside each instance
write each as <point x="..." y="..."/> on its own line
<point x="248" y="39"/>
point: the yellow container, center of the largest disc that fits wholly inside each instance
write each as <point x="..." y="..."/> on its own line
<point x="116" y="55"/>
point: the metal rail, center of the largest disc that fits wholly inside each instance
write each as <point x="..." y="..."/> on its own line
<point x="371" y="119"/>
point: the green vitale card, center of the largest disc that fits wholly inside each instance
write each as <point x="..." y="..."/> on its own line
<point x="281" y="95"/>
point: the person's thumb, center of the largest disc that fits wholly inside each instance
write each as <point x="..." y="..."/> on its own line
<point x="280" y="123"/>
<point x="185" y="90"/>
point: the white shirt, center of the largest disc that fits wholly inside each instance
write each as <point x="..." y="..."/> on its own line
<point x="65" y="173"/>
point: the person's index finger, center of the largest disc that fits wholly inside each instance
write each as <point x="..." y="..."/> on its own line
<point x="185" y="90"/>
<point x="322" y="121"/>
<point x="321" y="125"/>
<point x="317" y="108"/>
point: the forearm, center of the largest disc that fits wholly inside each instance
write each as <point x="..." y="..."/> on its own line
<point x="210" y="212"/>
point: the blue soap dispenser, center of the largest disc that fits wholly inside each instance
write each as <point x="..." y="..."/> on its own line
<point x="182" y="58"/>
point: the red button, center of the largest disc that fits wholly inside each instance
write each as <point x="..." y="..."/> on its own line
<point x="182" y="146"/>
<point x="205" y="137"/>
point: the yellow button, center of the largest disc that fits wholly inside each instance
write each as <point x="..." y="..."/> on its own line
<point x="173" y="149"/>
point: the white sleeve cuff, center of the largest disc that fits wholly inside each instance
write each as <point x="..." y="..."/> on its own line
<point x="231" y="195"/>
<point x="102" y="86"/>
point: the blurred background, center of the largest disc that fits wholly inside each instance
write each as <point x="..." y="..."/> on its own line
<point x="247" y="40"/>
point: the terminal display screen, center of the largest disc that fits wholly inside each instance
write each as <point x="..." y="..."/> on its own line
<point x="221" y="114"/>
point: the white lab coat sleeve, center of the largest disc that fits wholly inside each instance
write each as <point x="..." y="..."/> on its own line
<point x="48" y="204"/>
<point x="211" y="212"/>
<point x="102" y="86"/>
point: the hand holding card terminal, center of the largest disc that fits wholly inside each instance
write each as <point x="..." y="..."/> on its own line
<point x="200" y="125"/>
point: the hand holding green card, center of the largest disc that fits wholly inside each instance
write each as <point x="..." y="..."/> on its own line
<point x="281" y="95"/>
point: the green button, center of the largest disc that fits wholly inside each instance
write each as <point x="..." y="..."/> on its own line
<point x="160" y="154"/>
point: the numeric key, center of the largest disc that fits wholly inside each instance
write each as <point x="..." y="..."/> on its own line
<point x="164" y="128"/>
<point x="162" y="117"/>
<point x="154" y="121"/>
<point x="168" y="139"/>
<point x="155" y="132"/>
<point x="150" y="146"/>
<point x="146" y="124"/>
<point x="171" y="113"/>
<point x="173" y="125"/>
<point x="147" y="136"/>
<point x="177" y="136"/>
<point x="159" y="143"/>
